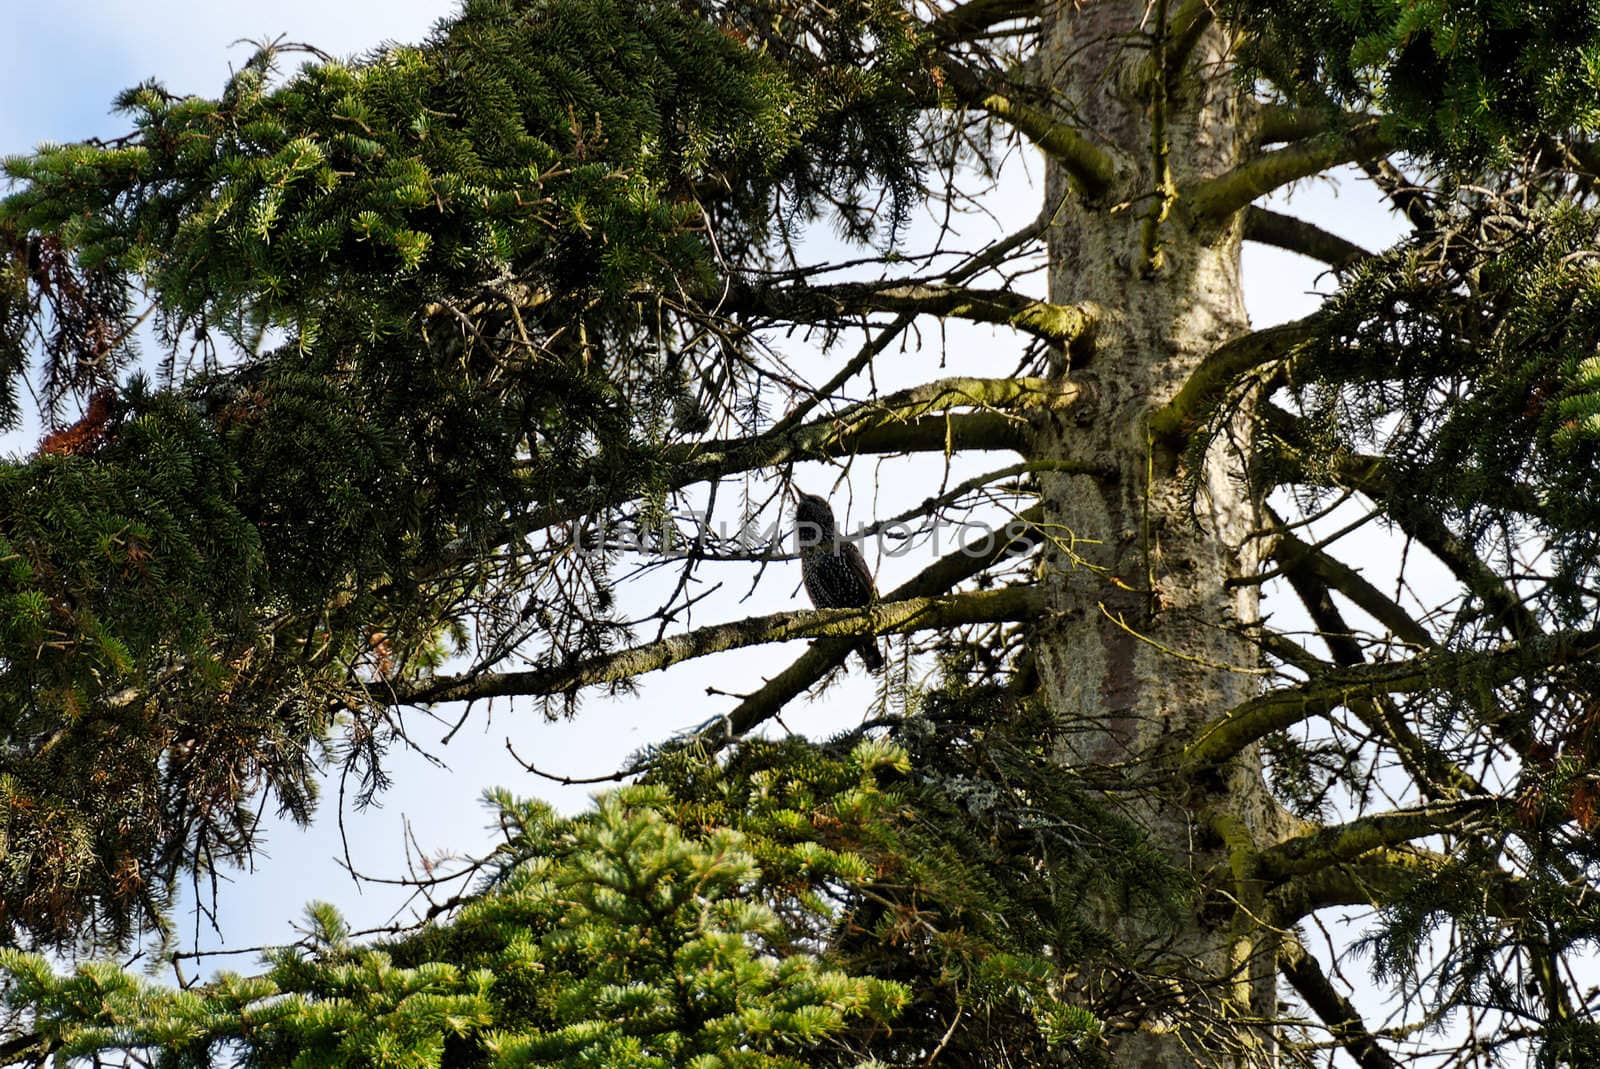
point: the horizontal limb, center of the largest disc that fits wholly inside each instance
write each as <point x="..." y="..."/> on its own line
<point x="913" y="614"/>
<point x="1230" y="733"/>
<point x="1220" y="197"/>
<point x="1341" y="843"/>
<point x="1058" y="324"/>
<point x="1298" y="236"/>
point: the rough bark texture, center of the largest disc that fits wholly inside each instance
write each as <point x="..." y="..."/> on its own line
<point x="1151" y="639"/>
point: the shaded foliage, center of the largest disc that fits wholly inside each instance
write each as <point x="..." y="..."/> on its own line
<point x="616" y="939"/>
<point x="779" y="906"/>
<point x="1465" y="82"/>
<point x="451" y="284"/>
<point x="1474" y="348"/>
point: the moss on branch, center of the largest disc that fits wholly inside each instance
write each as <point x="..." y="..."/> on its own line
<point x="1377" y="876"/>
<point x="1278" y="123"/>
<point x="1341" y="843"/>
<point x="1092" y="170"/>
<point x="1055" y="323"/>
<point x="913" y="614"/>
<point x="1230" y="733"/>
<point x="1210" y="381"/>
<point x="1227" y="193"/>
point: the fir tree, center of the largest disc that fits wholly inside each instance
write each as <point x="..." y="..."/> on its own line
<point x="463" y="308"/>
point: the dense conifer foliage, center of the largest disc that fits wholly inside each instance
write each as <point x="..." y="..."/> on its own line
<point x="313" y="498"/>
<point x="432" y="325"/>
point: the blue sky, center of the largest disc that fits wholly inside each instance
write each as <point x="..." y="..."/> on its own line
<point x="69" y="59"/>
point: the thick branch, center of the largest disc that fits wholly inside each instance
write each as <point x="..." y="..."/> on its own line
<point x="1379" y="876"/>
<point x="1210" y="381"/>
<point x="1055" y="323"/>
<point x="1227" y="193"/>
<point x="1305" y="975"/>
<point x="1295" y="556"/>
<point x="1284" y="122"/>
<point x="1092" y="170"/>
<point x="1298" y="236"/>
<point x="877" y="426"/>
<point x="1342" y="843"/>
<point x="918" y="419"/>
<point x="915" y="614"/>
<point x="975" y="16"/>
<point x="1246" y="723"/>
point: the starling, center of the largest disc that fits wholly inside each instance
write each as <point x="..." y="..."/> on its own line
<point x="835" y="572"/>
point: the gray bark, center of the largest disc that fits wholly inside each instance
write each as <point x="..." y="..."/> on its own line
<point x="1151" y="639"/>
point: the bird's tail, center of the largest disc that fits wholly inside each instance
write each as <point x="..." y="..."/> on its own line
<point x="871" y="656"/>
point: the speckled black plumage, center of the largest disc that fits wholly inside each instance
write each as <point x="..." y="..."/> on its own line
<point x="835" y="572"/>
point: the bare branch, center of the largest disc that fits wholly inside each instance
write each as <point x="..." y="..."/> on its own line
<point x="1298" y="236"/>
<point x="875" y="425"/>
<point x="921" y="418"/>
<point x="1434" y="774"/>
<point x="976" y="16"/>
<point x="1373" y="477"/>
<point x="1239" y="727"/>
<point x="1305" y="975"/>
<point x="1055" y="323"/>
<point x="1296" y="556"/>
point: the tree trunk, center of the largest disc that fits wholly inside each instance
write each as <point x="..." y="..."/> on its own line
<point x="1151" y="638"/>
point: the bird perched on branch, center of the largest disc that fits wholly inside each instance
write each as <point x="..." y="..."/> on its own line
<point x="835" y="573"/>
